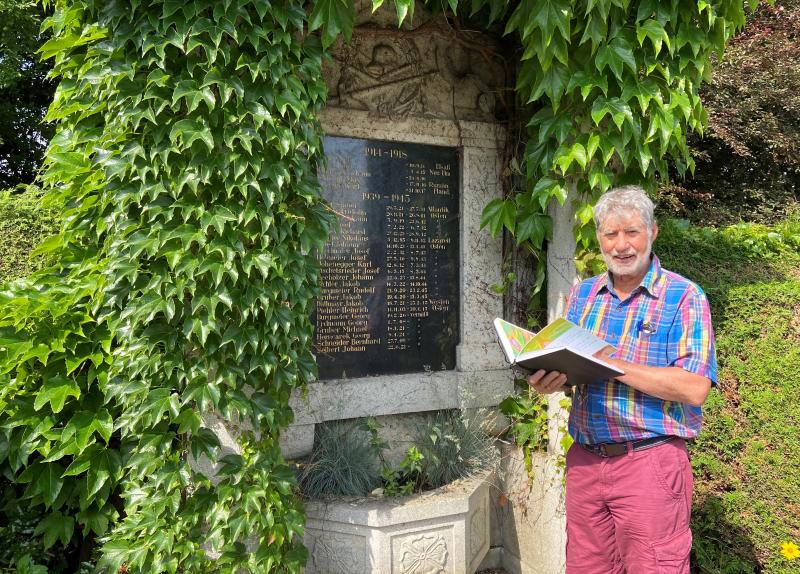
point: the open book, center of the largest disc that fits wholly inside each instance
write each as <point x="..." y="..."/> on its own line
<point x="560" y="346"/>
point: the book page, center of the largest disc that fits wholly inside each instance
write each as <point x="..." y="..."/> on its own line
<point x="512" y="338"/>
<point x="563" y="333"/>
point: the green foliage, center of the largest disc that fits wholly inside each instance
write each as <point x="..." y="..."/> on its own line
<point x="748" y="166"/>
<point x="24" y="223"/>
<point x="183" y="166"/>
<point x="454" y="445"/>
<point x="343" y="462"/>
<point x="527" y="413"/>
<point x="348" y="458"/>
<point x="612" y="89"/>
<point x="746" y="489"/>
<point x="404" y="480"/>
<point x="25" y="93"/>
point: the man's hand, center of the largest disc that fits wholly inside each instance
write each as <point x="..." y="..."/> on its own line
<point x="547" y="383"/>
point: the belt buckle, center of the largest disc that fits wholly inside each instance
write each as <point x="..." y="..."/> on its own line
<point x="613" y="449"/>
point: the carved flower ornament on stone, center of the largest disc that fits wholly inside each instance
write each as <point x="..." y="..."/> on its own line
<point x="424" y="555"/>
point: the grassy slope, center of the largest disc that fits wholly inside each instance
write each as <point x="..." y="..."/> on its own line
<point x="746" y="462"/>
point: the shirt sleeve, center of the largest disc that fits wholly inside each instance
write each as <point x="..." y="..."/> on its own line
<point x="572" y="305"/>
<point x="691" y="339"/>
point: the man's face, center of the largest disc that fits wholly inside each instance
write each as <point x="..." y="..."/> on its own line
<point x="625" y="244"/>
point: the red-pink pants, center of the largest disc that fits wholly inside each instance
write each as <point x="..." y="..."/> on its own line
<point x="630" y="513"/>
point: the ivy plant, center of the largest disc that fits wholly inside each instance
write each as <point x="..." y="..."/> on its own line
<point x="612" y="90"/>
<point x="179" y="286"/>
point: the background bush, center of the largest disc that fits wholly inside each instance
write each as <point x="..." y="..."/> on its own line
<point x="748" y="163"/>
<point x="24" y="223"/>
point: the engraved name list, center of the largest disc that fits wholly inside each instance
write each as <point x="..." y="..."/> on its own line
<point x="389" y="276"/>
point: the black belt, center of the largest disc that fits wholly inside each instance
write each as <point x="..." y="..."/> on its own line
<point x="609" y="449"/>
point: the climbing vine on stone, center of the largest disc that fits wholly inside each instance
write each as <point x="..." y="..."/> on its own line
<point x="612" y="87"/>
<point x="180" y="286"/>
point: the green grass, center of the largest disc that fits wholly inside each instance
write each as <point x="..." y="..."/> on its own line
<point x="747" y="461"/>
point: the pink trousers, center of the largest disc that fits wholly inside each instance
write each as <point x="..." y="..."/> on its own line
<point x="630" y="513"/>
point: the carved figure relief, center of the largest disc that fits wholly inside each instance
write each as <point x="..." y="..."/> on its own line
<point x="426" y="554"/>
<point x="396" y="75"/>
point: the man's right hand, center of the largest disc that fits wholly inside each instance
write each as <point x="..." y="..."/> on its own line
<point x="547" y="383"/>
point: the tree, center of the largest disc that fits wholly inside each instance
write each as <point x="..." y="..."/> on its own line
<point x="25" y="93"/>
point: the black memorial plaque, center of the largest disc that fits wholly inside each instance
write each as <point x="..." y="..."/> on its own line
<point x="390" y="276"/>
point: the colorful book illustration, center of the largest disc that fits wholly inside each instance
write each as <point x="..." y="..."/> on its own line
<point x="560" y="346"/>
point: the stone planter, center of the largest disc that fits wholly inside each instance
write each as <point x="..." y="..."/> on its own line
<point x="445" y="531"/>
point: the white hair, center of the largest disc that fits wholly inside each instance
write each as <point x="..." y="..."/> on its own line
<point x="621" y="201"/>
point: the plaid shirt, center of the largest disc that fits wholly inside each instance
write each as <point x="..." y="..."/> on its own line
<point x="664" y="323"/>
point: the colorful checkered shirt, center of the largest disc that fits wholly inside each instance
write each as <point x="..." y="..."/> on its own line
<point x="665" y="322"/>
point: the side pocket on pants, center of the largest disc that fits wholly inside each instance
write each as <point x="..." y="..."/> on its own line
<point x="672" y="554"/>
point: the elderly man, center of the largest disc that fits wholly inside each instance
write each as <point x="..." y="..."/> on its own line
<point x="629" y="479"/>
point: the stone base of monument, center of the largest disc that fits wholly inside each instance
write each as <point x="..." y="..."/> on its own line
<point x="442" y="531"/>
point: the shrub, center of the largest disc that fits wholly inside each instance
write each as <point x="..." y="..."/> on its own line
<point x="454" y="445"/>
<point x="748" y="165"/>
<point x="343" y="463"/>
<point x="24" y="223"/>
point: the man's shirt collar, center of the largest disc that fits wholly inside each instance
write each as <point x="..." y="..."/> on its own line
<point x="652" y="283"/>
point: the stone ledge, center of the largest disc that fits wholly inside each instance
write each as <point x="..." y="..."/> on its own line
<point x="398" y="394"/>
<point x="359" y="124"/>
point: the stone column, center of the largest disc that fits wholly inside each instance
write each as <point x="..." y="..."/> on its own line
<point x="561" y="276"/>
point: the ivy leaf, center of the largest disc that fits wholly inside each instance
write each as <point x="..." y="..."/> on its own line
<point x="549" y="123"/>
<point x="575" y="153"/>
<point x="587" y="82"/>
<point x="693" y="36"/>
<point x="404" y="8"/>
<point x="55" y="526"/>
<point x="619" y="110"/>
<point x="535" y="228"/>
<point x="616" y="55"/>
<point x="644" y="91"/>
<point x="204" y="441"/>
<point x="49" y="482"/>
<point x="115" y="553"/>
<point x="333" y="16"/>
<point x="497" y="214"/>
<point x="83" y="461"/>
<point x="105" y="467"/>
<point x="596" y="30"/>
<point x="549" y="15"/>
<point x="553" y="82"/>
<point x="680" y="100"/>
<point x="584" y="214"/>
<point x="653" y="30"/>
<point x="55" y="391"/>
<point x="94" y="520"/>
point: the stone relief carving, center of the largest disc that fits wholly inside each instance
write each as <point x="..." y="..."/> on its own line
<point x="337" y="553"/>
<point x="424" y="73"/>
<point x="426" y="554"/>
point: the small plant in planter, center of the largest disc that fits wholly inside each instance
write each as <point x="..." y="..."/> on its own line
<point x="343" y="462"/>
<point x="348" y="457"/>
